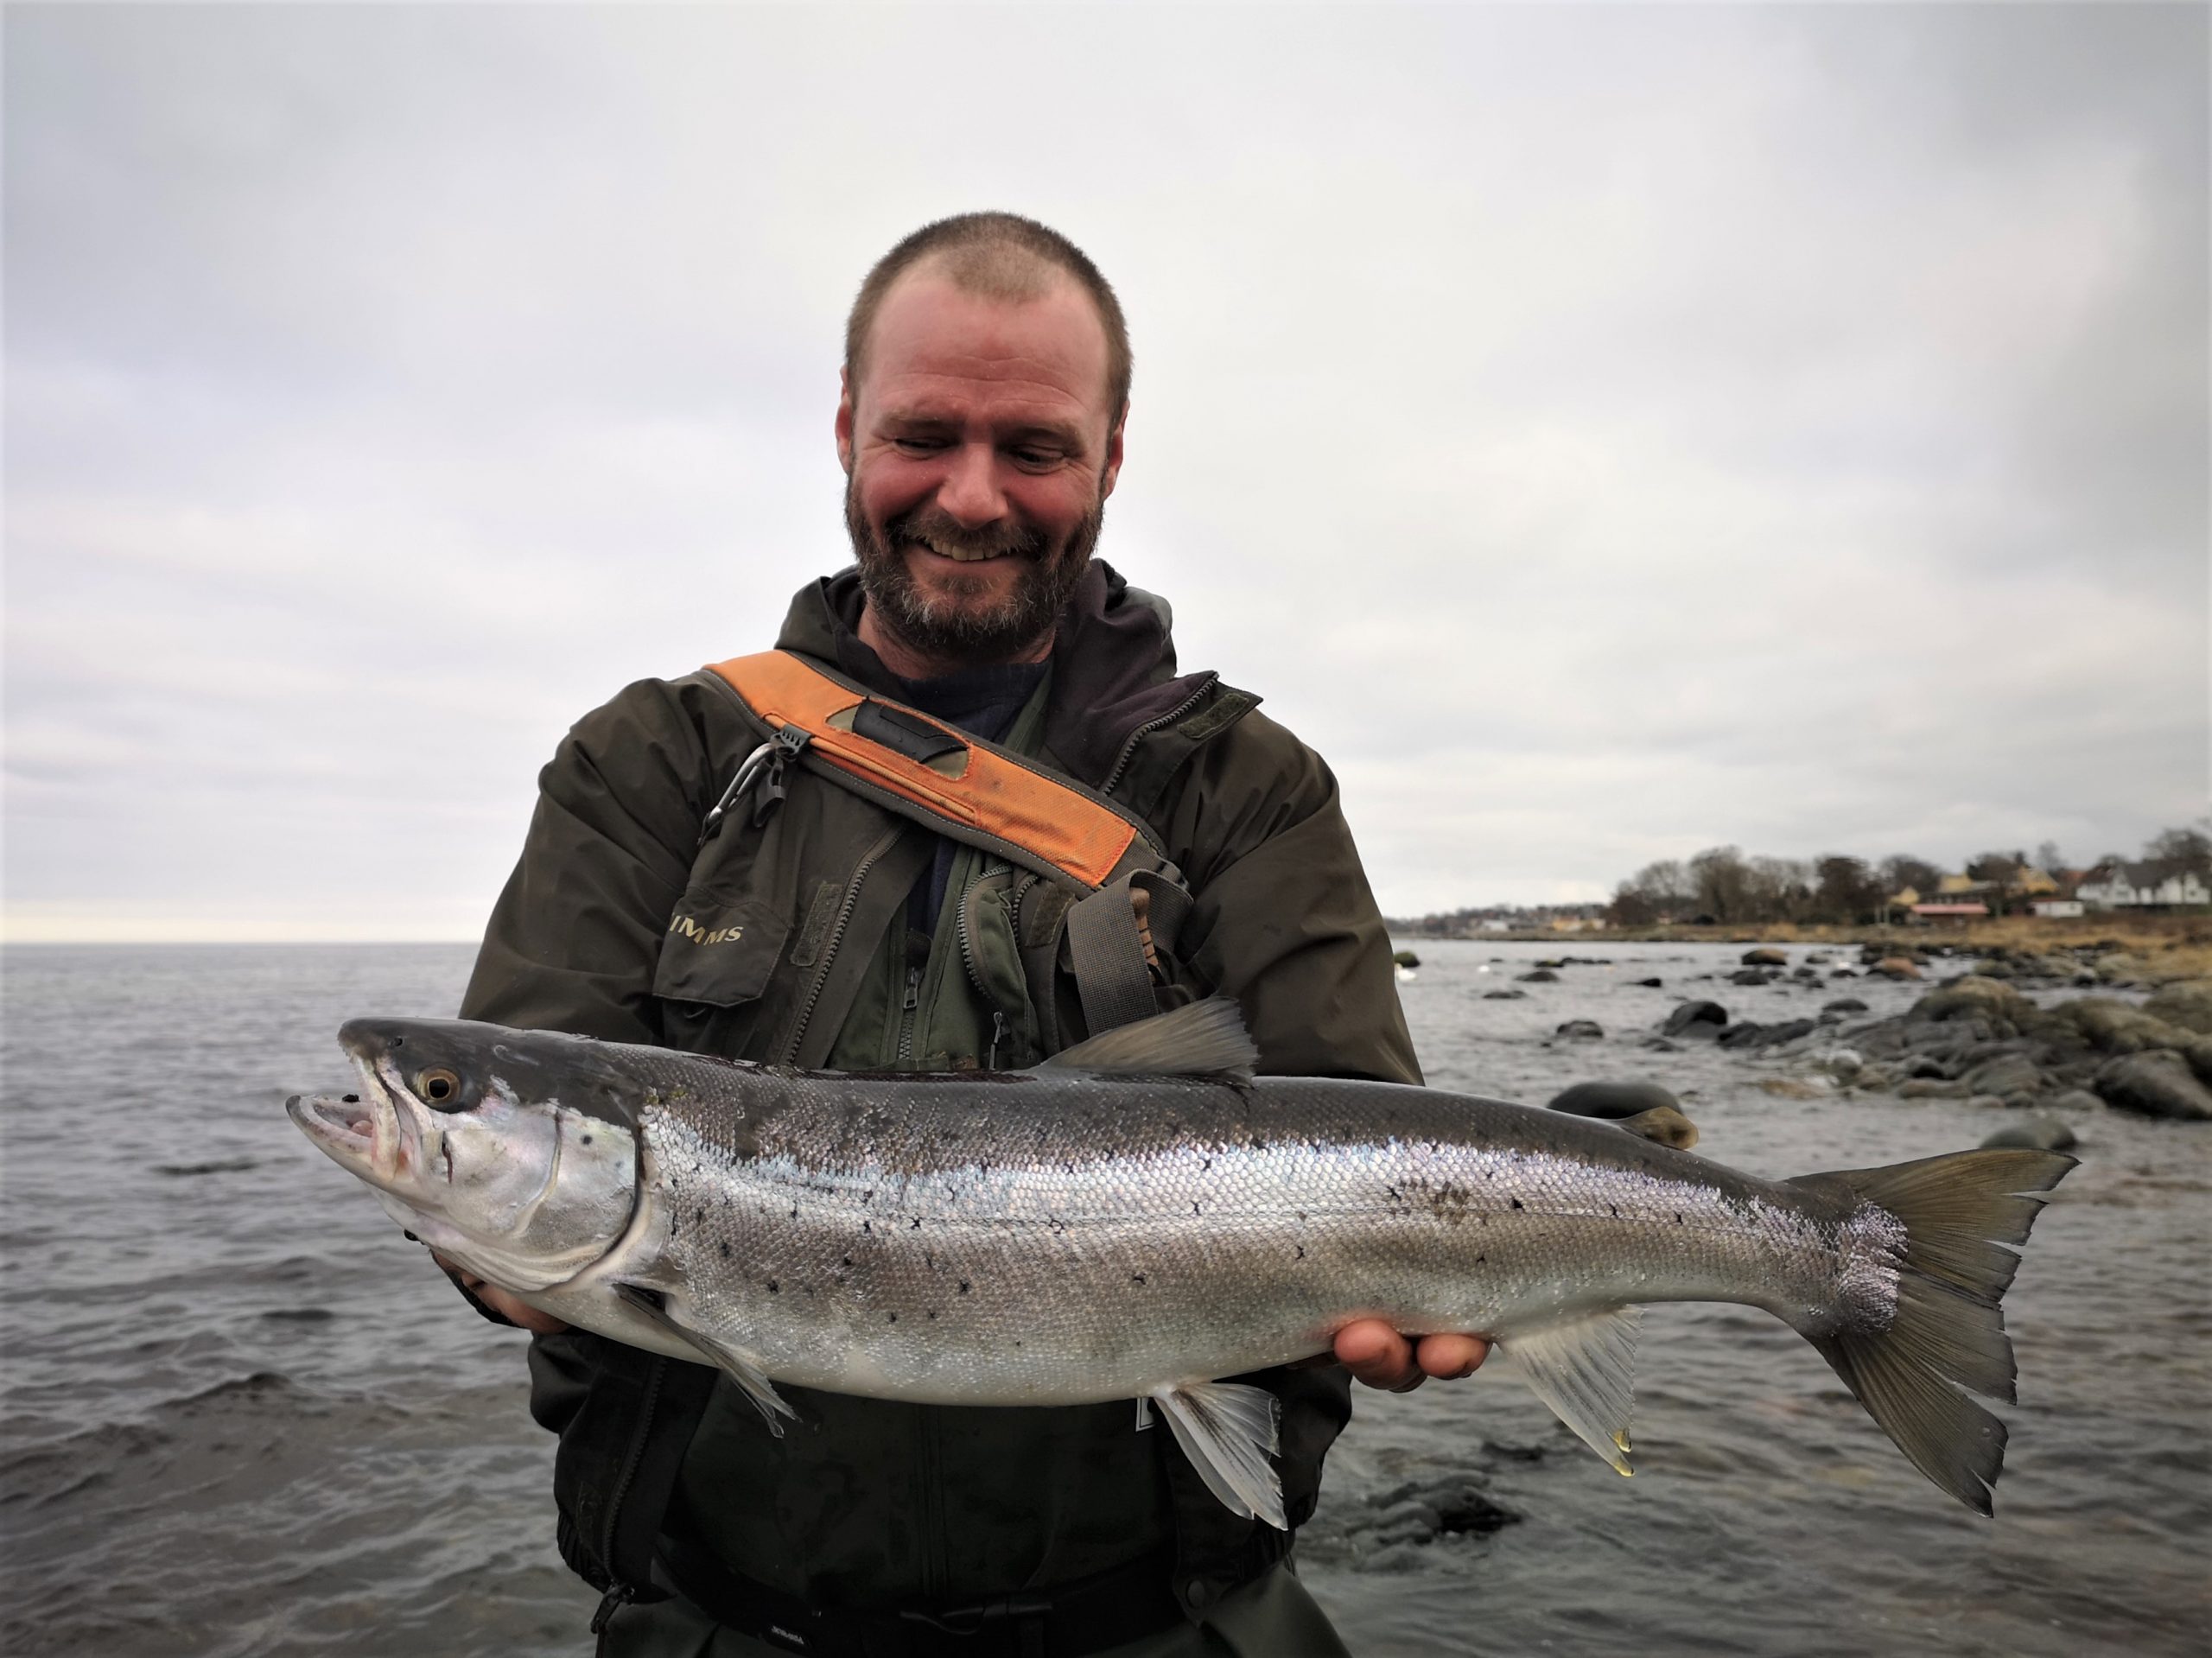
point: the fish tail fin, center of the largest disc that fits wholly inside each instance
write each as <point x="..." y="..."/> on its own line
<point x="1961" y="1217"/>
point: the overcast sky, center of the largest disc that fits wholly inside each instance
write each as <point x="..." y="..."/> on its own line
<point x="1603" y="433"/>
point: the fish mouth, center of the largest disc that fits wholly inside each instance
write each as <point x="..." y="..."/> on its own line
<point x="366" y="1132"/>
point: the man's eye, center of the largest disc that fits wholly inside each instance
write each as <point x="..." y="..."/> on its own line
<point x="918" y="445"/>
<point x="1036" y="457"/>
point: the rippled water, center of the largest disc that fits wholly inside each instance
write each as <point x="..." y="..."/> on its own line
<point x="241" y="1415"/>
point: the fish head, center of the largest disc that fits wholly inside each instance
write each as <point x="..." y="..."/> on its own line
<point x="511" y="1153"/>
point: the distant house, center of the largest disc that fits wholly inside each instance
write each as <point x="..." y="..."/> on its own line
<point x="2059" y="909"/>
<point x="2143" y="886"/>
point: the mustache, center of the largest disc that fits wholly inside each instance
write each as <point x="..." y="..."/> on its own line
<point x="935" y="529"/>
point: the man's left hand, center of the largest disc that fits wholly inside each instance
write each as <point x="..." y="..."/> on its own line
<point x="1382" y="1358"/>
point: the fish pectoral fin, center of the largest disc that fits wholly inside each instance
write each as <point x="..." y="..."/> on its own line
<point x="1228" y="1431"/>
<point x="739" y="1366"/>
<point x="1205" y="1039"/>
<point x="1585" y="1371"/>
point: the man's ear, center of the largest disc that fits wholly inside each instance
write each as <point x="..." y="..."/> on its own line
<point x="1113" y="467"/>
<point x="845" y="420"/>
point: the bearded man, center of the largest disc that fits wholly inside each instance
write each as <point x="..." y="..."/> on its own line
<point x="985" y="394"/>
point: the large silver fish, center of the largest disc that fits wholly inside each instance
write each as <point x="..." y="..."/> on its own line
<point x="1140" y="1216"/>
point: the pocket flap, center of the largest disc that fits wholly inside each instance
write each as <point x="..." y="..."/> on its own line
<point x="721" y="954"/>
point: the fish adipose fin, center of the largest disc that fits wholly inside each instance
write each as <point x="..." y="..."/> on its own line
<point x="1585" y="1371"/>
<point x="1960" y="1213"/>
<point x="1200" y="1039"/>
<point x="1228" y="1431"/>
<point x="738" y="1366"/>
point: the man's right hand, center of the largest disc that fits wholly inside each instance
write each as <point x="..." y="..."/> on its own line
<point x="501" y="1301"/>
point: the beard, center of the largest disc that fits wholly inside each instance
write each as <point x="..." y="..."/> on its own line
<point x="963" y="621"/>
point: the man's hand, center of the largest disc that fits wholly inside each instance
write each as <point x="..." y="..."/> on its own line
<point x="1380" y="1358"/>
<point x="507" y="1305"/>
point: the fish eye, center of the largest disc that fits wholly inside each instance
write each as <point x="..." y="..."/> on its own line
<point x="438" y="1087"/>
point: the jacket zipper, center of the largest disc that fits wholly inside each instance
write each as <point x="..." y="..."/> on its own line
<point x="619" y="1593"/>
<point x="1129" y="743"/>
<point x="790" y="1055"/>
<point x="911" y="1001"/>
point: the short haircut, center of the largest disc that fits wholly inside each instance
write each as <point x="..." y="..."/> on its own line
<point x="1000" y="257"/>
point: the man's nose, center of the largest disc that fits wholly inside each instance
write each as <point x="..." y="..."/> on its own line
<point x="970" y="494"/>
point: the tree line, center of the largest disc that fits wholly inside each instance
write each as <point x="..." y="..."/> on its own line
<point x="1723" y="887"/>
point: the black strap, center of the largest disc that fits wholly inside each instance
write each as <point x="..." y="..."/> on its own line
<point x="1111" y="973"/>
<point x="1089" y="1615"/>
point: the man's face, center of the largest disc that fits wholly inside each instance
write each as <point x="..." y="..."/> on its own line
<point x="979" y="451"/>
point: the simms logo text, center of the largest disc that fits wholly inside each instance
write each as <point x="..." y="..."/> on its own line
<point x="699" y="935"/>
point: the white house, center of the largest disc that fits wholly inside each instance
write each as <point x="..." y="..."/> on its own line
<point x="2140" y="885"/>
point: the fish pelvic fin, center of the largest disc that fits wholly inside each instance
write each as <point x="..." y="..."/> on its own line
<point x="739" y="1366"/>
<point x="1584" y="1369"/>
<point x="1227" y="1429"/>
<point x="1963" y="1216"/>
<point x="1199" y="1038"/>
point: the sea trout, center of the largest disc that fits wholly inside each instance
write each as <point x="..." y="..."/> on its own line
<point x="1141" y="1215"/>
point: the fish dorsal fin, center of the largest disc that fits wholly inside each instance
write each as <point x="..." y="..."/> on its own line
<point x="1200" y="1039"/>
<point x="1228" y="1431"/>
<point x="1585" y="1371"/>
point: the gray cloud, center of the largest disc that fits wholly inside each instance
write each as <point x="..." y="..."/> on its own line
<point x="1603" y="433"/>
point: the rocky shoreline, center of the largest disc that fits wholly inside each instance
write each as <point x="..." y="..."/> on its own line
<point x="1980" y="1036"/>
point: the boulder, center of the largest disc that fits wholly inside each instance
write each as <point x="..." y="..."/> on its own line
<point x="2186" y="1003"/>
<point x="1540" y="975"/>
<point x="2156" y="1083"/>
<point x="1612" y="1100"/>
<point x="1581" y="1030"/>
<point x="1986" y="1102"/>
<point x="2009" y="1074"/>
<point x="1748" y="1035"/>
<point x="1844" y="1005"/>
<point x="1505" y="995"/>
<point x="1796" y="1087"/>
<point x="1711" y="1015"/>
<point x="1751" y="976"/>
<point x="1931" y="1088"/>
<point x="1975" y="994"/>
<point x="1766" y="958"/>
<point x="2040" y="1132"/>
<point x="1646" y="984"/>
<point x="2115" y="1026"/>
<point x="1895" y="967"/>
<point x="2073" y="1102"/>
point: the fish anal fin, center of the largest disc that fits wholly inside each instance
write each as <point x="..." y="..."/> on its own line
<point x="1227" y="1429"/>
<point x="1199" y="1038"/>
<point x="1584" y="1369"/>
<point x="739" y="1366"/>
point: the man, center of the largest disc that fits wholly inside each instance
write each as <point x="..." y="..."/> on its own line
<point x="985" y="394"/>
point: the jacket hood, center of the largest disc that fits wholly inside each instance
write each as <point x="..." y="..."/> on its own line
<point x="1113" y="661"/>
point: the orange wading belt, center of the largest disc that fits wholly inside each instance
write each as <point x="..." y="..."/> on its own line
<point x="975" y="792"/>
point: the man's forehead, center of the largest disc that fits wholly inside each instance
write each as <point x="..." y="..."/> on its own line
<point x="935" y="335"/>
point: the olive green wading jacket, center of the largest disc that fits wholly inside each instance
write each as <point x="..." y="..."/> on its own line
<point x="867" y="1502"/>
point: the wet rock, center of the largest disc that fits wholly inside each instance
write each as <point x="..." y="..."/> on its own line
<point x="2155" y="1083"/>
<point x="2186" y="1004"/>
<point x="2040" y="1132"/>
<point x="1842" y="1064"/>
<point x="1895" y="967"/>
<point x="1766" y="958"/>
<point x="1751" y="976"/>
<point x="1581" y="1030"/>
<point x="1844" y="1005"/>
<point x="1660" y="1044"/>
<point x="1841" y="973"/>
<point x="1986" y="1102"/>
<point x="1612" y="1100"/>
<point x="1711" y="1015"/>
<point x="2073" y="1102"/>
<point x="1538" y="975"/>
<point x="1932" y="1087"/>
<point x="1392" y="1530"/>
<point x="1647" y="984"/>
<point x="1505" y="995"/>
<point x="2009" y="1074"/>
<point x="1973" y="995"/>
<point x="1748" y="1035"/>
<point x="1796" y="1087"/>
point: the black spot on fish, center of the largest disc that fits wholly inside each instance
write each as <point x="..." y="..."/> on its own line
<point x="865" y="1227"/>
<point x="891" y="1318"/>
<point x="794" y="1214"/>
<point x="585" y="1138"/>
<point x="1301" y="1252"/>
<point x="844" y="1260"/>
<point x="774" y="1288"/>
<point x="918" y="1224"/>
<point x="1136" y="1277"/>
<point x="350" y="1099"/>
<point x="932" y="1312"/>
<point x="1480" y="1259"/>
<point x="1678" y="1219"/>
<point x="725" y="1251"/>
<point x="1614" y="1210"/>
<point x="964" y="1286"/>
<point x="1194" y="1209"/>
<point x="1517" y="1203"/>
